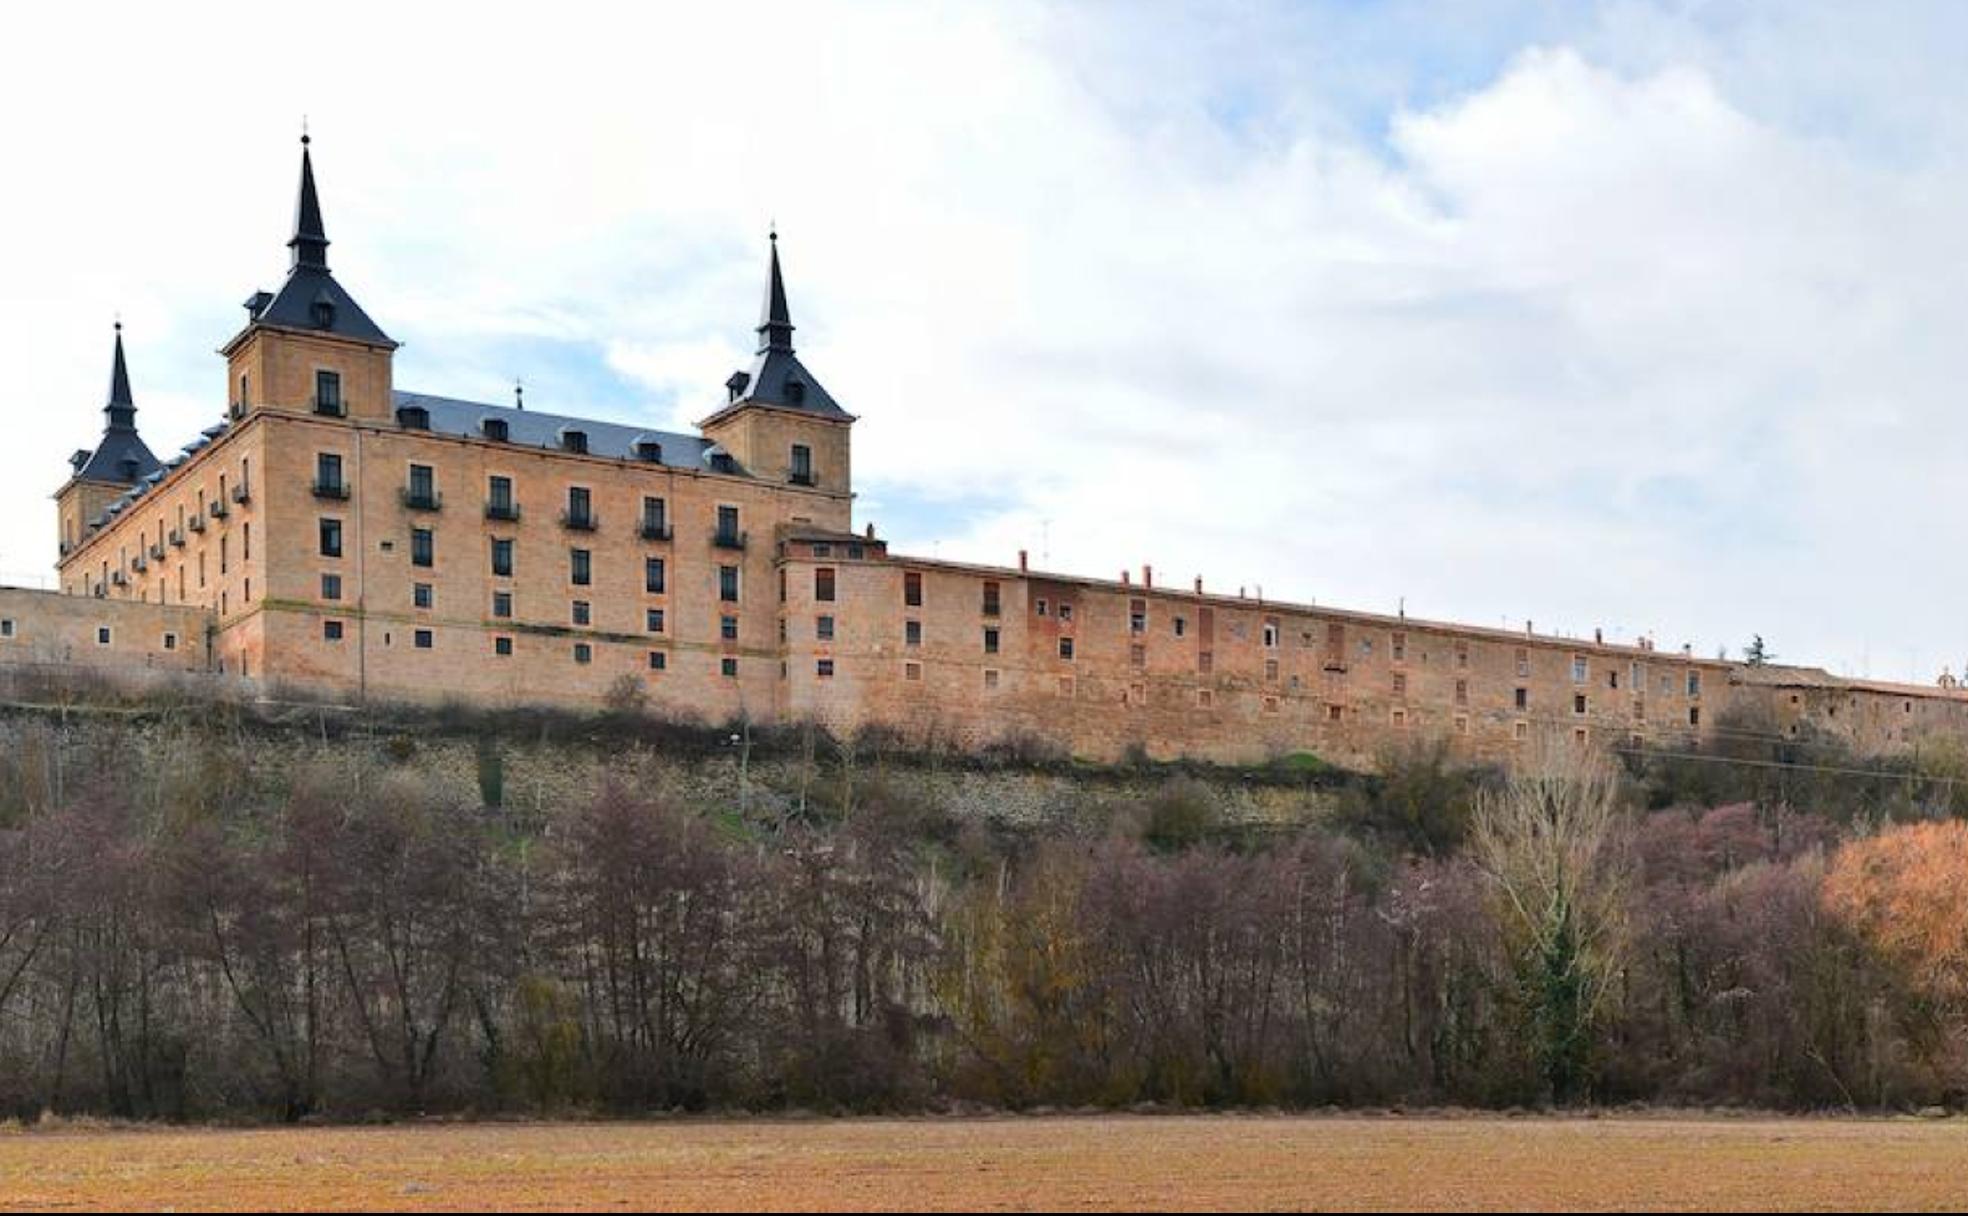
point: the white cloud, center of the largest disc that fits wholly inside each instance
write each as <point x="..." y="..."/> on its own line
<point x="1623" y="333"/>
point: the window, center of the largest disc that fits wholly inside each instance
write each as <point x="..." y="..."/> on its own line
<point x="658" y="661"/>
<point x="1181" y="627"/>
<point x="912" y="671"/>
<point x="653" y="620"/>
<point x="1066" y="648"/>
<point x="729" y="668"/>
<point x="583" y="612"/>
<point x="728" y="628"/>
<point x="1522" y="730"/>
<point x="1694" y="683"/>
<point x="499" y="499"/>
<point x="1523" y="698"/>
<point x="574" y="441"/>
<point x="502" y="604"/>
<point x="502" y="557"/>
<point x="1335" y="712"/>
<point x="1137" y="616"/>
<point x="822" y="549"/>
<point x="823" y="584"/>
<point x="1399" y="645"/>
<point x="823" y="628"/>
<point x="1400" y="684"/>
<point x="1205" y="662"/>
<point x="824" y="669"/>
<point x="421" y="594"/>
<point x="990" y="641"/>
<point x="331" y="631"/>
<point x="652" y="575"/>
<point x="423" y="639"/>
<point x="6" y="628"/>
<point x="990" y="598"/>
<point x="422" y="548"/>
<point x="583" y="653"/>
<point x="1400" y="718"/>
<point x="1039" y="606"/>
<point x="331" y="542"/>
<point x="912" y="590"/>
<point x="1065" y="612"/>
<point x="328" y="393"/>
<point x="1694" y="715"/>
<point x="1462" y="692"/>
<point x="328" y="475"/>
<point x="1613" y="679"/>
<point x="728" y="584"/>
<point x="912" y="633"/>
<point x="1205" y="698"/>
<point x="581" y="567"/>
<point x="1578" y="703"/>
<point x="1579" y="669"/>
<point x="331" y="586"/>
<point x="580" y="508"/>
<point x="1270" y="635"/>
<point x="727" y="528"/>
<point x="1271" y="670"/>
<point x="802" y="465"/>
<point x="102" y="635"/>
<point x="990" y="677"/>
<point x="1462" y="655"/>
<point x="655" y="519"/>
<point x="502" y="646"/>
<point x="1523" y="662"/>
<point x="422" y="491"/>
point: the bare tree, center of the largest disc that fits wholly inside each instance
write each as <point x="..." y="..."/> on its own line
<point x="1546" y="841"/>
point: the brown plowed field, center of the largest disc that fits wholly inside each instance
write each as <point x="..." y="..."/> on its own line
<point x="1217" y="1162"/>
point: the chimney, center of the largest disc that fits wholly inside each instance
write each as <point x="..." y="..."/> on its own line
<point x="871" y="530"/>
<point x="1126" y="581"/>
<point x="1199" y="584"/>
<point x="1147" y="576"/>
<point x="1023" y="564"/>
<point x="1240" y="593"/>
<point x="1527" y="628"/>
<point x="1598" y="637"/>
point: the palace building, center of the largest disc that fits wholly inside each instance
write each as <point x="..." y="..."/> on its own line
<point x="335" y="533"/>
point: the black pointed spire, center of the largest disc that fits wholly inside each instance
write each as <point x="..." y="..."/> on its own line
<point x="775" y="328"/>
<point x="122" y="409"/>
<point x="310" y="243"/>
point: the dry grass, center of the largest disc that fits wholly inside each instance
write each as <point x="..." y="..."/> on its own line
<point x="1227" y="1162"/>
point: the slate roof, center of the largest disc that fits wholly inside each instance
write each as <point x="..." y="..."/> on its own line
<point x="122" y="457"/>
<point x="533" y="429"/>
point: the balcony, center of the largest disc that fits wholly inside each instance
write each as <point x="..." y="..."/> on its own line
<point x="178" y="537"/>
<point x="503" y="512"/>
<point x="242" y="494"/>
<point x="421" y="500"/>
<point x="728" y="540"/>
<point x="801" y="479"/>
<point x="653" y="530"/>
<point x="579" y="521"/>
<point x="327" y="407"/>
<point x="219" y="510"/>
<point x="332" y="489"/>
<point x="138" y="564"/>
<point x="157" y="551"/>
<point x="197" y="523"/>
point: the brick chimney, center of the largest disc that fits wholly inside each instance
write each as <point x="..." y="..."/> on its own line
<point x="1147" y="576"/>
<point x="1199" y="584"/>
<point x="1126" y="579"/>
<point x="1023" y="565"/>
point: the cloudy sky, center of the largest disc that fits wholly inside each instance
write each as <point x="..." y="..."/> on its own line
<point x="1635" y="316"/>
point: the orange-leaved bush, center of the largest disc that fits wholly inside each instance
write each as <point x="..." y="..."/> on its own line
<point x="1906" y="893"/>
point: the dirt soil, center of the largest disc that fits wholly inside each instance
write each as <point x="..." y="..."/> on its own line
<point x="1248" y="1162"/>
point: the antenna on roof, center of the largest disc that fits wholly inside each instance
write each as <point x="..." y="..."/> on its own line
<point x="519" y="395"/>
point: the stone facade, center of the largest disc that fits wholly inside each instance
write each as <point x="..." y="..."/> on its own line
<point x="335" y="534"/>
<point x="47" y="629"/>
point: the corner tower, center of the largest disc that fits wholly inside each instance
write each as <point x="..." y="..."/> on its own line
<point x="309" y="348"/>
<point x="121" y="460"/>
<point x="777" y="422"/>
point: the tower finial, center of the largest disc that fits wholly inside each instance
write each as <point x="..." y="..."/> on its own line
<point x="310" y="241"/>
<point x="775" y="328"/>
<point x="121" y="407"/>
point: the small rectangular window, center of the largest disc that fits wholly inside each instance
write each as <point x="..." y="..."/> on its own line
<point x="583" y="653"/>
<point x="583" y="612"/>
<point x="502" y="604"/>
<point x="802" y="465"/>
<point x="823" y="585"/>
<point x="6" y="629"/>
<point x="423" y="548"/>
<point x="328" y="393"/>
<point x="331" y="539"/>
<point x="331" y="586"/>
<point x="990" y="641"/>
<point x="990" y="598"/>
<point x="331" y="631"/>
<point x="653" y="618"/>
<point x="728" y="584"/>
<point x="1066" y="648"/>
<point x="581" y="567"/>
<point x="1137" y="617"/>
<point x="1523" y="698"/>
<point x="421" y="594"/>
<point x="1580" y="669"/>
<point x="653" y="575"/>
<point x="912" y="633"/>
<point x="1578" y="703"/>
<point x="912" y="671"/>
<point x="824" y="668"/>
<point x="502" y="557"/>
<point x="658" y="660"/>
<point x="424" y="639"/>
<point x="912" y="590"/>
<point x="1039" y="606"/>
<point x="729" y="667"/>
<point x="823" y="629"/>
<point x="502" y="647"/>
<point x="728" y="628"/>
<point x="1181" y="627"/>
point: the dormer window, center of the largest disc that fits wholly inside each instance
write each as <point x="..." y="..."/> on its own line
<point x="649" y="450"/>
<point x="328" y="394"/>
<point x="738" y="383"/>
<point x="795" y="391"/>
<point x="413" y="418"/>
<point x="494" y="429"/>
<point x="574" y="441"/>
<point x="322" y="310"/>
